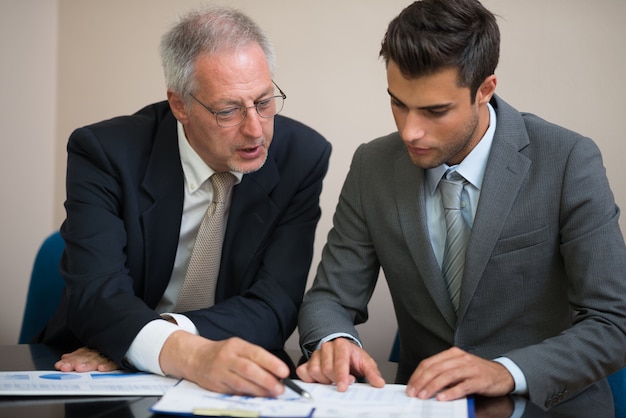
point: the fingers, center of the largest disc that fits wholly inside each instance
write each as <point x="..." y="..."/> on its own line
<point x="329" y="364"/>
<point x="257" y="368"/>
<point x="85" y="360"/>
<point x="454" y="373"/>
<point x="339" y="361"/>
<point x="232" y="366"/>
<point x="335" y="362"/>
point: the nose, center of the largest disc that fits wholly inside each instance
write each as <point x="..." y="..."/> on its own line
<point x="412" y="128"/>
<point x="252" y="124"/>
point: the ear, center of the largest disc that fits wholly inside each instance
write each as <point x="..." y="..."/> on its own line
<point x="178" y="106"/>
<point x="486" y="90"/>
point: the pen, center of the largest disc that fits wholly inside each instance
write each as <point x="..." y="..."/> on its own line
<point x="293" y="386"/>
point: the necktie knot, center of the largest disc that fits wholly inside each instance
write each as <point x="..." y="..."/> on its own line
<point x="222" y="183"/>
<point x="451" y="190"/>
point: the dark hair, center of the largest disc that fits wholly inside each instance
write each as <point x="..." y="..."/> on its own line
<point x="432" y="35"/>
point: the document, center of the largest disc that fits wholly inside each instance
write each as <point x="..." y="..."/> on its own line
<point x="360" y="400"/>
<point x="116" y="383"/>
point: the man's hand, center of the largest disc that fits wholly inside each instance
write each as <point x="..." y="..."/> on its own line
<point x="455" y="373"/>
<point x="85" y="360"/>
<point x="232" y="366"/>
<point x="340" y="361"/>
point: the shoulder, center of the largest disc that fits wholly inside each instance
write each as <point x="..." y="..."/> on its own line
<point x="147" y="120"/>
<point x="138" y="130"/>
<point x="292" y="132"/>
<point x="381" y="150"/>
<point x="295" y="140"/>
<point x="527" y="129"/>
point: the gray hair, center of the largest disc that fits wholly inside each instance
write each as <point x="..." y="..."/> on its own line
<point x="207" y="31"/>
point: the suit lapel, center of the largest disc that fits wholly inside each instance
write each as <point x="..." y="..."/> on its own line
<point x="504" y="175"/>
<point x="410" y="198"/>
<point x="251" y="214"/>
<point x="163" y="205"/>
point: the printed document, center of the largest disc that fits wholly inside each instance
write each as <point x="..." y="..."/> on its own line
<point x="55" y="383"/>
<point x="360" y="400"/>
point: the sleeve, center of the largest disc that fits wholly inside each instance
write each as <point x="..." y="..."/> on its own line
<point x="103" y="310"/>
<point x="348" y="271"/>
<point x="594" y="257"/>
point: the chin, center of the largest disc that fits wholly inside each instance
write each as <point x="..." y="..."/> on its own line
<point x="248" y="166"/>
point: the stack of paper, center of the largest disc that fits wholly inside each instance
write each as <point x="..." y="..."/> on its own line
<point x="360" y="400"/>
<point x="186" y="398"/>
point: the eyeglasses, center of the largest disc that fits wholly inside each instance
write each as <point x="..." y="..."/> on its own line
<point x="235" y="115"/>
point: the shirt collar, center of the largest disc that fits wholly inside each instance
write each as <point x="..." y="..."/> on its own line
<point x="196" y="171"/>
<point x="472" y="168"/>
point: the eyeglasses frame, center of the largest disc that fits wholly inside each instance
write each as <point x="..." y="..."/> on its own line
<point x="243" y="109"/>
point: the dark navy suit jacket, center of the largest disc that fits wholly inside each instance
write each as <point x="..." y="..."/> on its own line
<point x="124" y="207"/>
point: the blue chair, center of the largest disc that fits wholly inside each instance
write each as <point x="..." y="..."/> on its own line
<point x="394" y="355"/>
<point x="617" y="381"/>
<point x="45" y="288"/>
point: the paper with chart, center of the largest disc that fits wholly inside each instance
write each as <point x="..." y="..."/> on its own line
<point x="360" y="400"/>
<point x="117" y="383"/>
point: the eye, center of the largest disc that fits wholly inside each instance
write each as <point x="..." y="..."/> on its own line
<point x="398" y="104"/>
<point x="226" y="114"/>
<point x="264" y="104"/>
<point x="437" y="113"/>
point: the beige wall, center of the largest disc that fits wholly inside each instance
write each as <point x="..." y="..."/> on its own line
<point x="561" y="59"/>
<point x="28" y="31"/>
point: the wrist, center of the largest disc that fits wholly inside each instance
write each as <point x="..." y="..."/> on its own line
<point x="178" y="353"/>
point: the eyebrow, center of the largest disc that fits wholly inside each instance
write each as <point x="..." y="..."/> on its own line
<point x="439" y="106"/>
<point x="230" y="102"/>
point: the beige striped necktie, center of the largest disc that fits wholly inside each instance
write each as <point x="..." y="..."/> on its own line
<point x="457" y="233"/>
<point x="198" y="289"/>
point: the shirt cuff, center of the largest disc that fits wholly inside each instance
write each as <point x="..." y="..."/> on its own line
<point x="518" y="376"/>
<point x="338" y="335"/>
<point x="145" y="349"/>
<point x="183" y="322"/>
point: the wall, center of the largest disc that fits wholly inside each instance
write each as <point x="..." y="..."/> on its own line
<point x="28" y="30"/>
<point x="559" y="60"/>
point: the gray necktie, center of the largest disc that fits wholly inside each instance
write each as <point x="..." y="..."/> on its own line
<point x="198" y="290"/>
<point x="457" y="232"/>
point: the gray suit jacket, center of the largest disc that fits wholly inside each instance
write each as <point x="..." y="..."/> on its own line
<point x="545" y="275"/>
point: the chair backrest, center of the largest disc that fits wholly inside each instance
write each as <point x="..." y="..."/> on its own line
<point x="617" y="381"/>
<point x="394" y="355"/>
<point x="45" y="288"/>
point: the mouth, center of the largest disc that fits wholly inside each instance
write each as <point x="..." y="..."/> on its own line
<point x="417" y="150"/>
<point x="251" y="152"/>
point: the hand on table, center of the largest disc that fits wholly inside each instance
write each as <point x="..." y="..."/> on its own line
<point x="340" y="361"/>
<point x="85" y="360"/>
<point x="455" y="373"/>
<point x="232" y="366"/>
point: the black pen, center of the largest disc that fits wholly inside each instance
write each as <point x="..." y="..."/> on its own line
<point x="293" y="386"/>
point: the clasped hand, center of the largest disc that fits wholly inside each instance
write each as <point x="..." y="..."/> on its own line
<point x="449" y="375"/>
